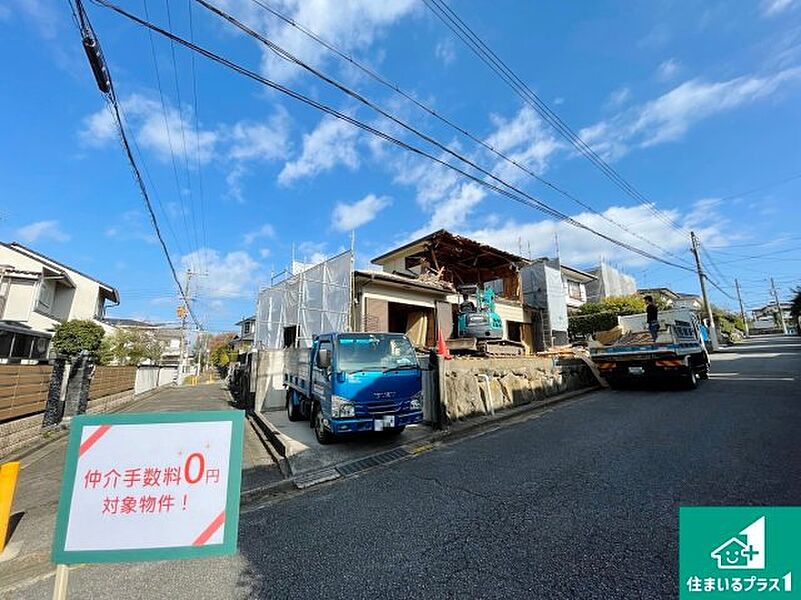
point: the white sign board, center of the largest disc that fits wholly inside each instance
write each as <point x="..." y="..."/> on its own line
<point x="150" y="486"/>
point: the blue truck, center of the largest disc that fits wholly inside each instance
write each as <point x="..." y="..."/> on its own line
<point x="354" y="382"/>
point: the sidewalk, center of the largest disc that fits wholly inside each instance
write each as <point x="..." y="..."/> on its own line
<point x="305" y="454"/>
<point x="27" y="554"/>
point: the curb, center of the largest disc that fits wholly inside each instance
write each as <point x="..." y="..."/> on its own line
<point x="458" y="430"/>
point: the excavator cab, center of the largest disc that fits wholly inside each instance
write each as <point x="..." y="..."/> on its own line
<point x="477" y="317"/>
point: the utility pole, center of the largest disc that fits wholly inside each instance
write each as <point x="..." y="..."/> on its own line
<point x="713" y="332"/>
<point x="742" y="311"/>
<point x="778" y="306"/>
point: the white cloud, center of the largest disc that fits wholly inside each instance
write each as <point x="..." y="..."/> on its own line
<point x="346" y="217"/>
<point x="669" y="117"/>
<point x="264" y="252"/>
<point x="331" y="143"/>
<point x="42" y="230"/>
<point x="771" y="8"/>
<point x="266" y="141"/>
<point x="40" y="13"/>
<point x="265" y="231"/>
<point x="311" y="253"/>
<point x="353" y="26"/>
<point x="524" y="139"/>
<point x="449" y="198"/>
<point x="233" y="275"/>
<point x="131" y="225"/>
<point x="445" y="51"/>
<point x="618" y="97"/>
<point x="163" y="133"/>
<point x="99" y="128"/>
<point x="234" y="182"/>
<point x="668" y="69"/>
<point x="581" y="248"/>
<point x="558" y="101"/>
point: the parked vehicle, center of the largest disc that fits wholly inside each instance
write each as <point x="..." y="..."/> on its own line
<point x="351" y="382"/>
<point x="628" y="352"/>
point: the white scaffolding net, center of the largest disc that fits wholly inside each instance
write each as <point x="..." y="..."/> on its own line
<point x="314" y="300"/>
<point x="610" y="282"/>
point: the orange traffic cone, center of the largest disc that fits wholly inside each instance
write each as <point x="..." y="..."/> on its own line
<point x="442" y="347"/>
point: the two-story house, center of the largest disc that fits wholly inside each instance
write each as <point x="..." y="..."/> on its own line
<point x="169" y="337"/>
<point x="36" y="294"/>
<point x="244" y="341"/>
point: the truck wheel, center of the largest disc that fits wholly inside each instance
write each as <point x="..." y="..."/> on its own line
<point x="320" y="432"/>
<point x="691" y="379"/>
<point x="704" y="373"/>
<point x="292" y="411"/>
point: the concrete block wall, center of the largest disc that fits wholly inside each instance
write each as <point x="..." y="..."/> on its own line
<point x="19" y="433"/>
<point x="109" y="403"/>
<point x="477" y="386"/>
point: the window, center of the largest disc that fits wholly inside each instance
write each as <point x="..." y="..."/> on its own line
<point x="290" y="336"/>
<point x="574" y="290"/>
<point x="246" y="327"/>
<point x="47" y="293"/>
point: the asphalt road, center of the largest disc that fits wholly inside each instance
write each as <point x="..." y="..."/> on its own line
<point x="579" y="502"/>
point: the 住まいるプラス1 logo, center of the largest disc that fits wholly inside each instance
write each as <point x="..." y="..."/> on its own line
<point x="739" y="552"/>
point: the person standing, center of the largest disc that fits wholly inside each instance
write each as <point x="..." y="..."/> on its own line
<point x="652" y="316"/>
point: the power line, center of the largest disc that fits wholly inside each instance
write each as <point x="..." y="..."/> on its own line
<point x="486" y="55"/>
<point x="762" y="187"/>
<point x="197" y="131"/>
<point x="183" y="132"/>
<point x="515" y="195"/>
<point x="106" y="85"/>
<point x="373" y="74"/>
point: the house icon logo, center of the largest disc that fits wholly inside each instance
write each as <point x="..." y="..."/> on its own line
<point x="746" y="550"/>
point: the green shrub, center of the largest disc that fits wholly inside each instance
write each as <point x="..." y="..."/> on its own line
<point x="73" y="337"/>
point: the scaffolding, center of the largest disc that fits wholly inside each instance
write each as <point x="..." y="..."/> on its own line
<point x="313" y="300"/>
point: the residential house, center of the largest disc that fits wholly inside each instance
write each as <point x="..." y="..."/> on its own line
<point x="243" y="342"/>
<point x="575" y="284"/>
<point x="417" y="291"/>
<point x="766" y="318"/>
<point x="169" y="336"/>
<point x="662" y="295"/>
<point x="36" y="294"/>
<point x="673" y="299"/>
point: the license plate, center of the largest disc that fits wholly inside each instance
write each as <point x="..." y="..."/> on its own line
<point x="380" y="424"/>
<point x="636" y="371"/>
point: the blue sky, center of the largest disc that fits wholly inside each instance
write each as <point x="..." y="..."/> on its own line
<point x="693" y="102"/>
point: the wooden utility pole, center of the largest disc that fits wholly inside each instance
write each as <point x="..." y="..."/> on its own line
<point x="713" y="332"/>
<point x="778" y="306"/>
<point x="742" y="310"/>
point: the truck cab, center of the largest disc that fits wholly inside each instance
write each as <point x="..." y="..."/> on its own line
<point x="356" y="382"/>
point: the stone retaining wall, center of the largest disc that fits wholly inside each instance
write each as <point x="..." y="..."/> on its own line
<point x="473" y="385"/>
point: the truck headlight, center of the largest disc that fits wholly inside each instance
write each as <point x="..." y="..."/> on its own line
<point x="416" y="401"/>
<point x="342" y="407"/>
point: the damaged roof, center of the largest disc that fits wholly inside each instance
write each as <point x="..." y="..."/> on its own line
<point x="461" y="259"/>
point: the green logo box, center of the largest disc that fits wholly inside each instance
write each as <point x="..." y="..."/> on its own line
<point x="740" y="552"/>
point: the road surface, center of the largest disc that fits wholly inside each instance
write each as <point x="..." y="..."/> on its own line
<point x="579" y="502"/>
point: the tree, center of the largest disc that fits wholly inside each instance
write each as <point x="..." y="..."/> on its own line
<point x="795" y="306"/>
<point x="601" y="316"/>
<point x="131" y="347"/>
<point x="728" y="322"/>
<point x="221" y="351"/>
<point x="73" y="337"/>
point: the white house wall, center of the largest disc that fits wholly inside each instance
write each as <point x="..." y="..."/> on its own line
<point x="84" y="301"/>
